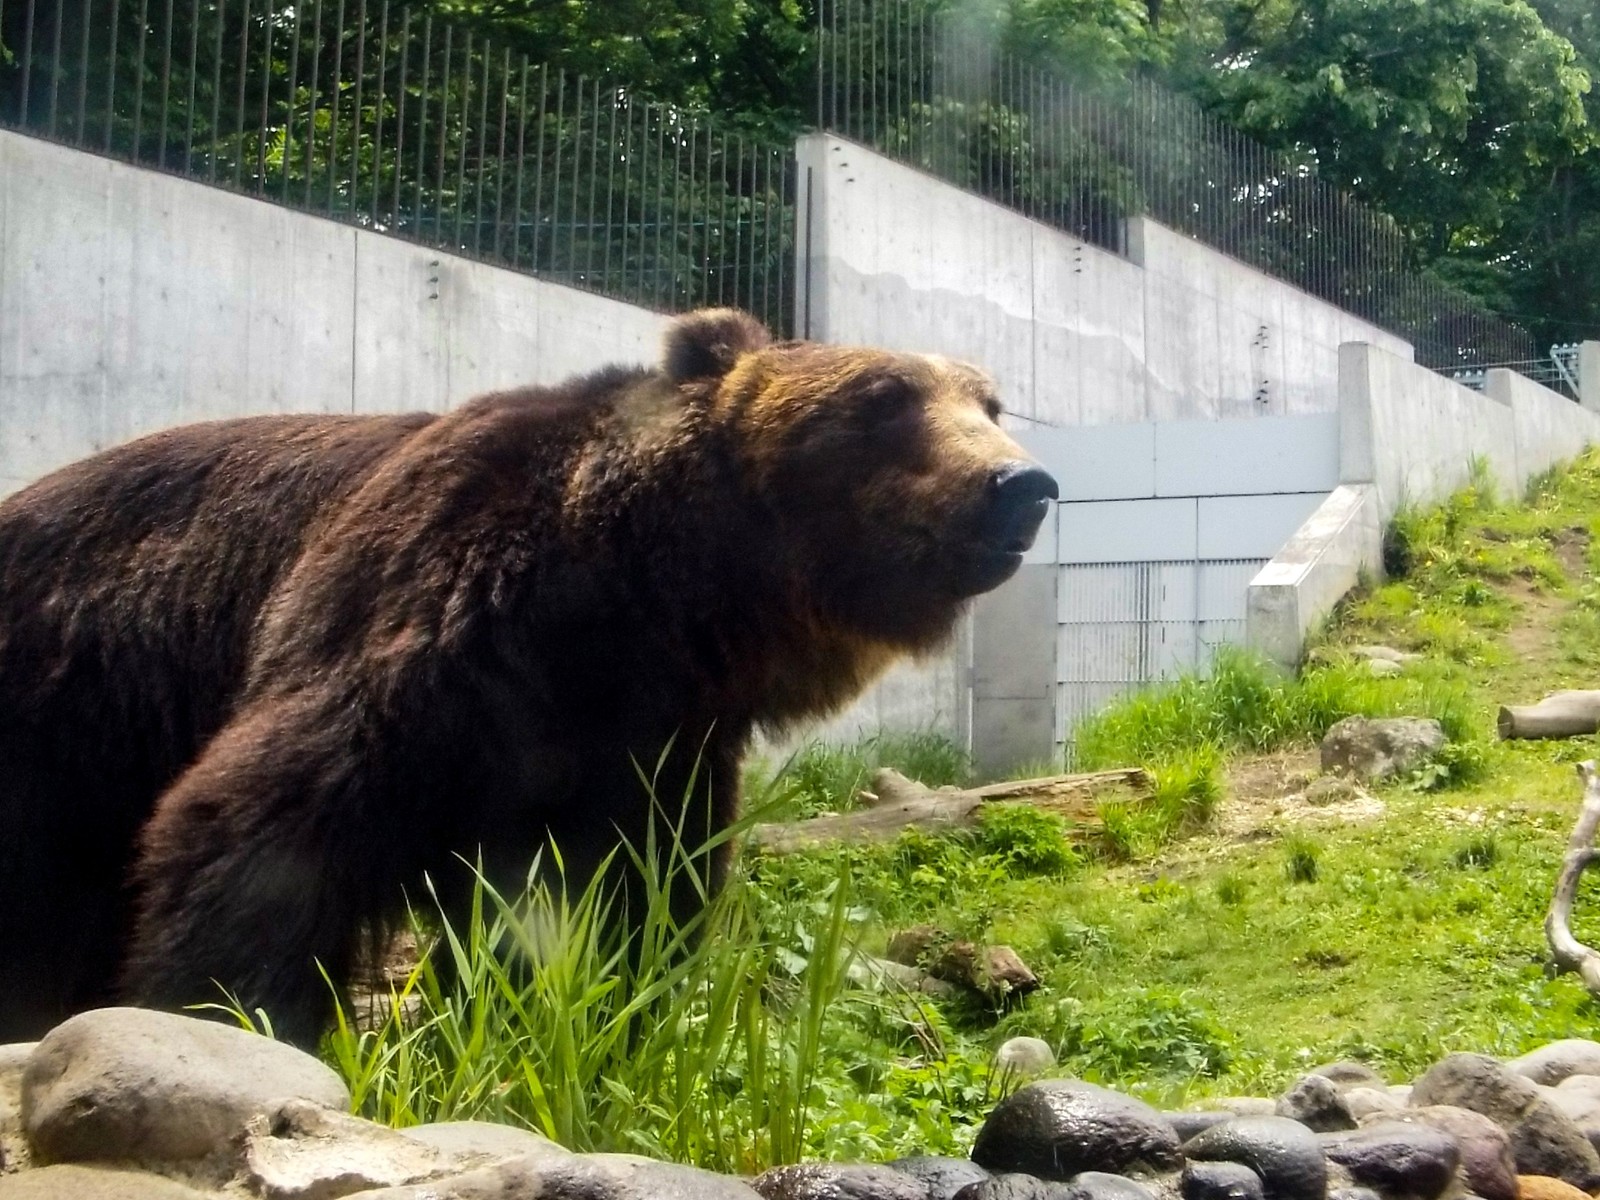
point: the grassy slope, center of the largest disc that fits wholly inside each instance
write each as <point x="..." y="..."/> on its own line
<point x="1412" y="924"/>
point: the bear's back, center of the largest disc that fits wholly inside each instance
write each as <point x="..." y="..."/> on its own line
<point x="130" y="581"/>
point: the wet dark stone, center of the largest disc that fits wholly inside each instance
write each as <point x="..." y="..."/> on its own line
<point x="829" y="1181"/>
<point x="1284" y="1153"/>
<point x="1190" y="1123"/>
<point x="1221" y="1181"/>
<point x="1098" y="1185"/>
<point x="1316" y="1102"/>
<point x="1059" y="1128"/>
<point x="943" y="1177"/>
<point x="1396" y="1157"/>
<point x="1014" y="1186"/>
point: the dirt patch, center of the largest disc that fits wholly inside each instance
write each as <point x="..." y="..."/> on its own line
<point x="1269" y="792"/>
<point x="1571" y="548"/>
<point x="1532" y="635"/>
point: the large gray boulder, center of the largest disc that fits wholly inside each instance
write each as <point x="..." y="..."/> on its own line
<point x="129" y="1084"/>
<point x="1487" y="1167"/>
<point x="1379" y="748"/>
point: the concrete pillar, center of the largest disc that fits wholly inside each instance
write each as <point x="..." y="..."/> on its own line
<point x="1589" y="375"/>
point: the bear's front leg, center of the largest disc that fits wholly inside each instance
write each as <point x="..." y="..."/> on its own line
<point x="264" y="861"/>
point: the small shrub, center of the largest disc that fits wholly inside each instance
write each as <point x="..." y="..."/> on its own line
<point x="1301" y="859"/>
<point x="1478" y="853"/>
<point x="1231" y="890"/>
<point x="1028" y="841"/>
<point x="1147" y="1032"/>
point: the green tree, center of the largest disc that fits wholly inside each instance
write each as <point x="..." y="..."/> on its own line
<point x="1444" y="113"/>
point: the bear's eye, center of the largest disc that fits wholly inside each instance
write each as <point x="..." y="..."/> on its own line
<point x="991" y="409"/>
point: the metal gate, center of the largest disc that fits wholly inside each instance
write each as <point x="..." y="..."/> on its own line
<point x="1125" y="625"/>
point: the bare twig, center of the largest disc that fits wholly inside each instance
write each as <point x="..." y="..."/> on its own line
<point x="1571" y="954"/>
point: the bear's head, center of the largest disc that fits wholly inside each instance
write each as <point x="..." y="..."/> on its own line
<point x="894" y="494"/>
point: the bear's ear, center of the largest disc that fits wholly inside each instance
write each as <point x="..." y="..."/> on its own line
<point x="706" y="344"/>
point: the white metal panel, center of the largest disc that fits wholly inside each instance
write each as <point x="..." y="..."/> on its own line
<point x="1099" y="462"/>
<point x="1128" y="531"/>
<point x="1252" y="526"/>
<point x="1247" y="456"/>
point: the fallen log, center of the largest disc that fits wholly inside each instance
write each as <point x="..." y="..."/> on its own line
<point x="894" y="804"/>
<point x="1558" y="715"/>
<point x="995" y="972"/>
<point x="1570" y="954"/>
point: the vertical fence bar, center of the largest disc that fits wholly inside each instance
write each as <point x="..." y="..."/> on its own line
<point x="266" y="95"/>
<point x="55" y="61"/>
<point x="138" y="79"/>
<point x="483" y="133"/>
<point x="194" y="69"/>
<point x="293" y="94"/>
<point x="538" y="165"/>
<point x="555" y="176"/>
<point x="216" y="91"/>
<point x="166" y="85"/>
<point x="27" y="62"/>
<point x="522" y="142"/>
<point x="422" y="125"/>
<point x="395" y="221"/>
<point x="444" y="139"/>
<point x="354" y="175"/>
<point x="82" y="131"/>
<point x="311" y="99"/>
<point x="111" y="76"/>
<point x="500" y="150"/>
<point x="611" y="187"/>
<point x="461" y="141"/>
<point x="336" y="87"/>
<point x="661" y="199"/>
<point x="577" y="166"/>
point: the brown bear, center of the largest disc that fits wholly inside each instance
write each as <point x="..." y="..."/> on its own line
<point x="259" y="676"/>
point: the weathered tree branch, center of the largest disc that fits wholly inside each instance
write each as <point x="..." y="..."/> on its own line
<point x="1558" y="715"/>
<point x="1571" y="954"/>
<point x="894" y="803"/>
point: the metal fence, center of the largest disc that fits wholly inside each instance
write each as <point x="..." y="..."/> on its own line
<point x="369" y="112"/>
<point x="935" y="88"/>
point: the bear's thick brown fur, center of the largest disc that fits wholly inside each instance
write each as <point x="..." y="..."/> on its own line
<point x="258" y="676"/>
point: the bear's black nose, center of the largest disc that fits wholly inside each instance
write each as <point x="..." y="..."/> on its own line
<point x="1020" y="493"/>
<point x="1019" y="484"/>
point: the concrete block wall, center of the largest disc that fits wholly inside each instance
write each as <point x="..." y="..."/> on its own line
<point x="1073" y="334"/>
<point x="132" y="300"/>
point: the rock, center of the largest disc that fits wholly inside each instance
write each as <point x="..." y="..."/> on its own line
<point x="1098" y="1185"/>
<point x="1315" y="1102"/>
<point x="119" y="1084"/>
<point x="1396" y="1158"/>
<point x="1543" y="1140"/>
<point x="1581" y="1107"/>
<point x="1284" y="1153"/>
<point x="1542" y="1187"/>
<point x="1025" y="1056"/>
<point x="1583" y="1085"/>
<point x="1353" y="1193"/>
<point x="1486" y="1163"/>
<point x="1331" y="789"/>
<point x="1347" y="1074"/>
<point x="1400" y="1091"/>
<point x="464" y="1140"/>
<point x="943" y="1177"/>
<point x="1220" y="1181"/>
<point x="577" y="1177"/>
<point x="72" y="1182"/>
<point x="1383" y="668"/>
<point x="302" y="1151"/>
<point x="13" y="1059"/>
<point x="1551" y="1064"/>
<point x="1367" y="1102"/>
<point x="830" y="1181"/>
<point x="1377" y="748"/>
<point x="1383" y="654"/>
<point x="1058" y="1128"/>
<point x="1187" y="1124"/>
<point x="1014" y="1187"/>
<point x="1248" y="1106"/>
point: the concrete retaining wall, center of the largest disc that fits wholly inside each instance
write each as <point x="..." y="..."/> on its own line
<point x="1406" y="435"/>
<point x="1073" y="334"/>
<point x="132" y="300"/>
